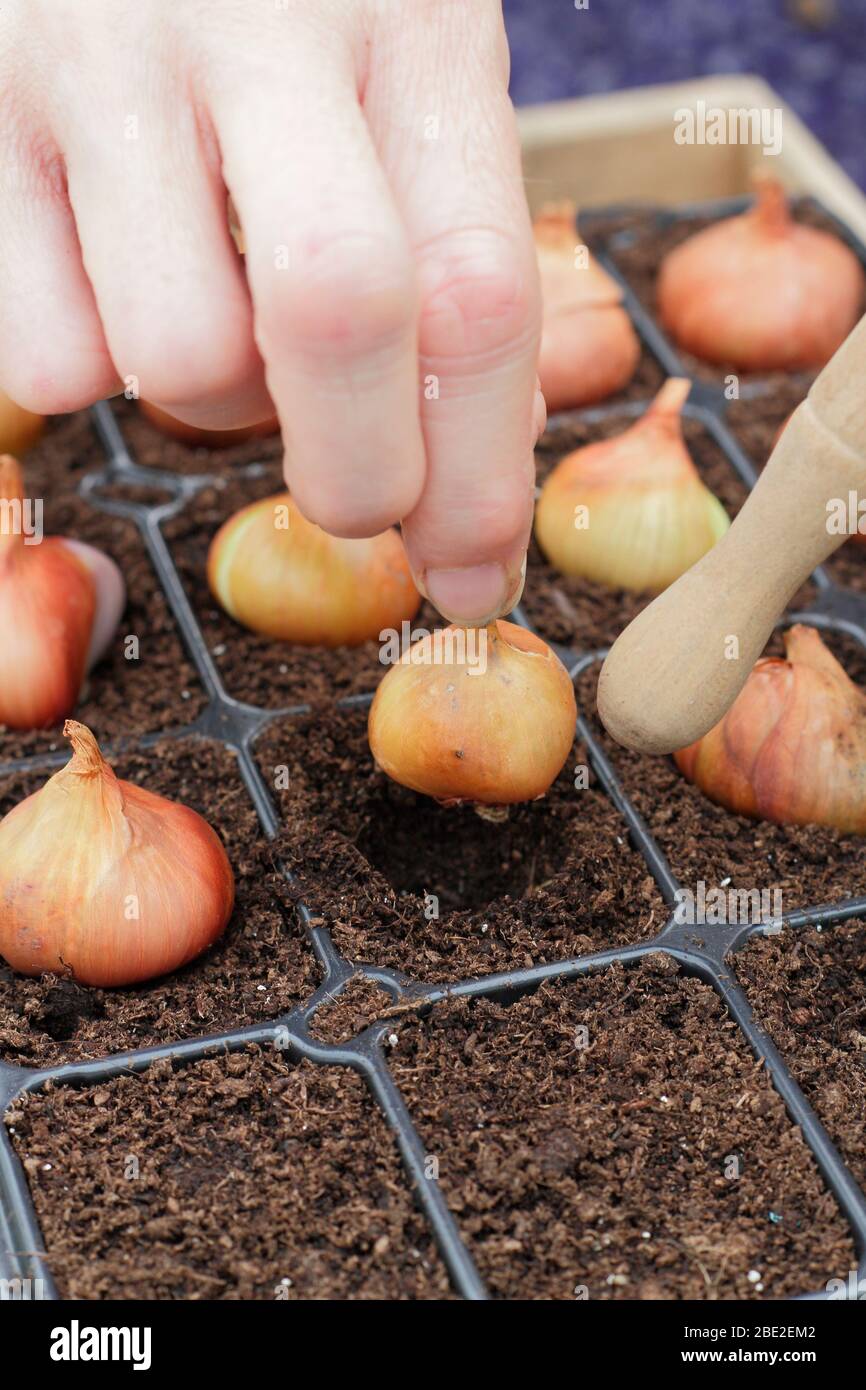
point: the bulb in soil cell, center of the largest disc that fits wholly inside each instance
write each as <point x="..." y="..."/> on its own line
<point x="206" y="439"/>
<point x="761" y="291"/>
<point x="485" y="715"/>
<point x="588" y="346"/>
<point x="631" y="512"/>
<point x="60" y="603"/>
<point x="281" y="575"/>
<point x="792" y="747"/>
<point x="106" y="881"/>
<point x="19" y="428"/>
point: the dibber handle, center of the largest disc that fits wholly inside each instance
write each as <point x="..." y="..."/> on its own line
<point x="678" y="667"/>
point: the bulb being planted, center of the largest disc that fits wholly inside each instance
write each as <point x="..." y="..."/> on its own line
<point x="60" y="603"/>
<point x="280" y="575"/>
<point x="105" y="881"/>
<point x="792" y="747"/>
<point x="631" y="512"/>
<point x="484" y="715"/>
<point x="588" y="346"/>
<point x="761" y="291"/>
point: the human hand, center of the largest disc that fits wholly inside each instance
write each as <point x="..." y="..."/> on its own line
<point x="389" y="305"/>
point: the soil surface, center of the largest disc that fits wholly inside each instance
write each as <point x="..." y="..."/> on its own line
<point x="245" y="1177"/>
<point x="557" y="878"/>
<point x="811" y="865"/>
<point x="159" y="689"/>
<point x="261" y="966"/>
<point x="808" y="989"/>
<point x="617" y="1136"/>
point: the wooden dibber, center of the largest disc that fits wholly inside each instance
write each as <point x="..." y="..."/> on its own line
<point x="678" y="667"/>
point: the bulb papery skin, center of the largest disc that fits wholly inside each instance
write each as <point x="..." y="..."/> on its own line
<point x="761" y="292"/>
<point x="20" y="429"/>
<point x="631" y="512"/>
<point x="475" y="715"/>
<point x="110" y="591"/>
<point x="105" y="881"/>
<point x="589" y="348"/>
<point x="280" y="575"/>
<point x="197" y="437"/>
<point x="792" y="747"/>
<point x="47" y="611"/>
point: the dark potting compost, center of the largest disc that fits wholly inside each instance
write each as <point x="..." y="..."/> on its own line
<point x="432" y="1054"/>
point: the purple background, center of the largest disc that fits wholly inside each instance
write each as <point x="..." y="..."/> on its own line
<point x="557" y="51"/>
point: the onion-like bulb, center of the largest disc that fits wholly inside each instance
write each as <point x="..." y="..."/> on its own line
<point x="631" y="512"/>
<point x="19" y="428"/>
<point x="105" y="881"/>
<point x="485" y="715"/>
<point x="196" y="437"/>
<point x="283" y="576"/>
<point x="60" y="603"/>
<point x="792" y="747"/>
<point x="589" y="348"/>
<point x="761" y="291"/>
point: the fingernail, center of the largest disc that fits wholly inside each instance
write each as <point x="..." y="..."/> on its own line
<point x="474" y="595"/>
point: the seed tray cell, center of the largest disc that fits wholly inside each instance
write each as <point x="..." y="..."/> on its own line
<point x="254" y="668"/>
<point x="151" y="687"/>
<point x="613" y="1138"/>
<point x="260" y="967"/>
<point x="808" y="989"/>
<point x="214" y="1182"/>
<point x="428" y="983"/>
<point x="636" y="249"/>
<point x="559" y="877"/>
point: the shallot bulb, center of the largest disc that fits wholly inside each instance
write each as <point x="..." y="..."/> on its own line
<point x="792" y="747"/>
<point x="761" y="291"/>
<point x="60" y="603"/>
<point x="484" y="715"/>
<point x="631" y="512"/>
<point x="588" y="346"/>
<point x="19" y="428"/>
<point x="282" y="576"/>
<point x="196" y="437"/>
<point x="105" y="881"/>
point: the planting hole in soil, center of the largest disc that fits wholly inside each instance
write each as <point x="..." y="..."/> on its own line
<point x="259" y="968"/>
<point x="438" y="892"/>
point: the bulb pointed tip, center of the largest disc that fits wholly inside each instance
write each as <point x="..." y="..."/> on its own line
<point x="85" y="750"/>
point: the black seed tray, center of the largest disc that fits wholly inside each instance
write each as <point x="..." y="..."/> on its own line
<point x="700" y="950"/>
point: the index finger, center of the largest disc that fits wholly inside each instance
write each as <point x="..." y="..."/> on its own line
<point x="446" y="134"/>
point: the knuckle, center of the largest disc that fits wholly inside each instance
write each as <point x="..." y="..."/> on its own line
<point x="480" y="297"/>
<point x="352" y="293"/>
<point x="347" y="515"/>
<point x="49" y="385"/>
